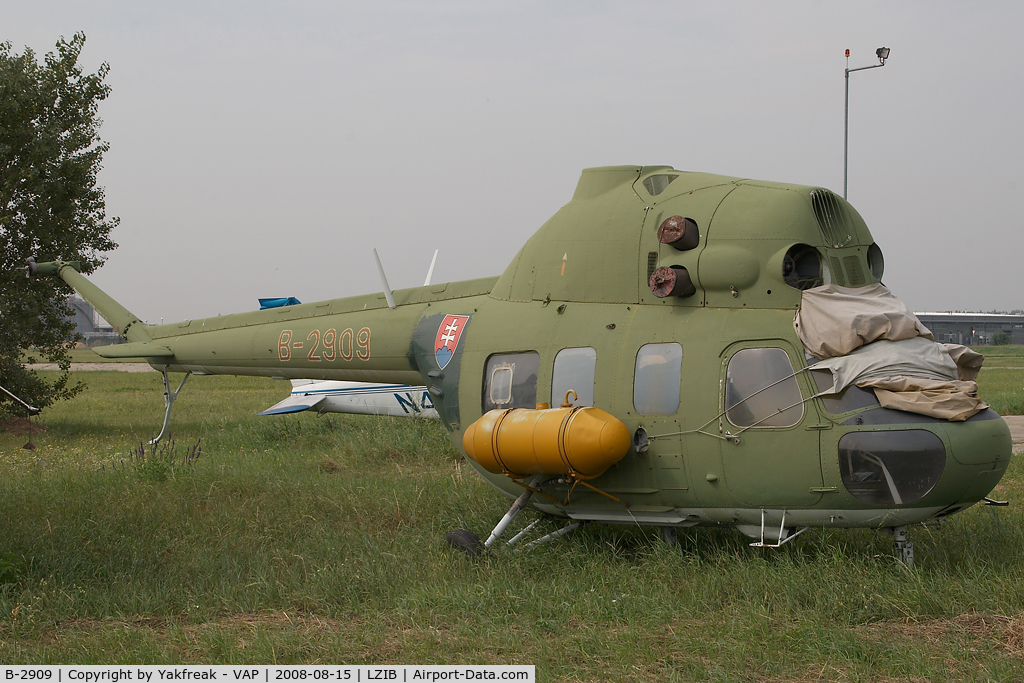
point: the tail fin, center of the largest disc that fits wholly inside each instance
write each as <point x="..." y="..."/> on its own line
<point x="123" y="320"/>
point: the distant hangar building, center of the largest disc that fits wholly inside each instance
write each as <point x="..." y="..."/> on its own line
<point x="973" y="329"/>
<point x="90" y="325"/>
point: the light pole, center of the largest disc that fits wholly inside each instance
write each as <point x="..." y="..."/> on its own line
<point x="883" y="54"/>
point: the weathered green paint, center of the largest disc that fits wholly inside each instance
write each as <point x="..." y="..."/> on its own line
<point x="582" y="280"/>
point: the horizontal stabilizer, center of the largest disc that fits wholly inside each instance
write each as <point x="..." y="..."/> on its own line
<point x="134" y="350"/>
<point x="293" y="404"/>
<point x="356" y="398"/>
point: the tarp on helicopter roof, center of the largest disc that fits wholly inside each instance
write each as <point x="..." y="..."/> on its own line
<point x="834" y="321"/>
<point x="917" y="357"/>
<point x="955" y="401"/>
<point x="868" y="337"/>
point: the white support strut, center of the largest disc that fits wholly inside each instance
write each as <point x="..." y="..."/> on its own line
<point x="169" y="397"/>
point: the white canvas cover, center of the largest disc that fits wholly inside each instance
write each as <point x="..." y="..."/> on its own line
<point x="968" y="362"/>
<point x="868" y="337"/>
<point x="834" y="321"/>
<point x="954" y="401"/>
<point x="917" y="357"/>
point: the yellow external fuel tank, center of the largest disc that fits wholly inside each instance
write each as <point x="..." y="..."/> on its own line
<point x="583" y="442"/>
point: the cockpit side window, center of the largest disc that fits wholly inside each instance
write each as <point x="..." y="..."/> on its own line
<point x="656" y="379"/>
<point x="510" y="380"/>
<point x="893" y="467"/>
<point x="850" y="398"/>
<point x="761" y="389"/>
<point x="574" y="370"/>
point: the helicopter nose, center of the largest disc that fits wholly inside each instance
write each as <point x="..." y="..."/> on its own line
<point x="983" y="440"/>
<point x="981" y="449"/>
<point x="948" y="463"/>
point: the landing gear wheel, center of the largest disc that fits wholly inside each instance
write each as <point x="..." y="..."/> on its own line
<point x="466" y="541"/>
<point x="904" y="548"/>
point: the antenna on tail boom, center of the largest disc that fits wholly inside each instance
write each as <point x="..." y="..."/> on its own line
<point x="384" y="281"/>
<point x="430" y="271"/>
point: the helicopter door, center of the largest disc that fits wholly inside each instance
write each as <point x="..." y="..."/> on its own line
<point x="656" y="389"/>
<point x="775" y="462"/>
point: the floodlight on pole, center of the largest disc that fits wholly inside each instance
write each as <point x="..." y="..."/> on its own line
<point x="883" y="54"/>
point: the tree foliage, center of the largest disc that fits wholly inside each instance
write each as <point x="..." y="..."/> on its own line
<point x="50" y="208"/>
<point x="1001" y="338"/>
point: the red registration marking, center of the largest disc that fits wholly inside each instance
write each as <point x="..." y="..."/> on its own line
<point x="330" y="336"/>
<point x="284" y="351"/>
<point x="313" y="357"/>
<point x="345" y="344"/>
<point x="327" y="345"/>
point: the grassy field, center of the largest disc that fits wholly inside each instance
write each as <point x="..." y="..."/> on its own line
<point x="1001" y="380"/>
<point x="302" y="539"/>
<point x="83" y="356"/>
<point x="90" y="356"/>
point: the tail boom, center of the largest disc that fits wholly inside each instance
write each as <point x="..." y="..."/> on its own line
<point x="354" y="339"/>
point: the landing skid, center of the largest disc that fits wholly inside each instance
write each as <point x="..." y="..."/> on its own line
<point x="769" y="535"/>
<point x="781" y="537"/>
<point x="469" y="543"/>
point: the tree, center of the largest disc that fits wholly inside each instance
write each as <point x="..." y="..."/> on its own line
<point x="50" y="208"/>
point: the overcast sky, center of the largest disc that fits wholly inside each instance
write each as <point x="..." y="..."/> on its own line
<point x="264" y="148"/>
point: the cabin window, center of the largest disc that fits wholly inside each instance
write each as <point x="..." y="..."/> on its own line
<point x="893" y="467"/>
<point x="574" y="369"/>
<point x="510" y="380"/>
<point x="761" y="389"/>
<point x="656" y="379"/>
<point x="656" y="184"/>
<point x="850" y="398"/>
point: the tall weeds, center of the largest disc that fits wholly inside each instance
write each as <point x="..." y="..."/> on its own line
<point x="304" y="539"/>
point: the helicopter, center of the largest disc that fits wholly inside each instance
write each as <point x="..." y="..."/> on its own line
<point x="671" y="349"/>
<point x="359" y="398"/>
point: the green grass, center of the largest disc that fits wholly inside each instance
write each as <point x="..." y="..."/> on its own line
<point x="1007" y="351"/>
<point x="304" y="539"/>
<point x="1002" y="357"/>
<point x="1001" y="380"/>
<point x="90" y="356"/>
<point x="78" y="356"/>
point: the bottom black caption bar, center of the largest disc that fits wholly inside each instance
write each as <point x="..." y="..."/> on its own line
<point x="263" y="673"/>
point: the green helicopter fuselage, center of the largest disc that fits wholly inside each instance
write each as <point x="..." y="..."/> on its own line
<point x="707" y="373"/>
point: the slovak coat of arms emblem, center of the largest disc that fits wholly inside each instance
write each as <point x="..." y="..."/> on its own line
<point x="447" y="339"/>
